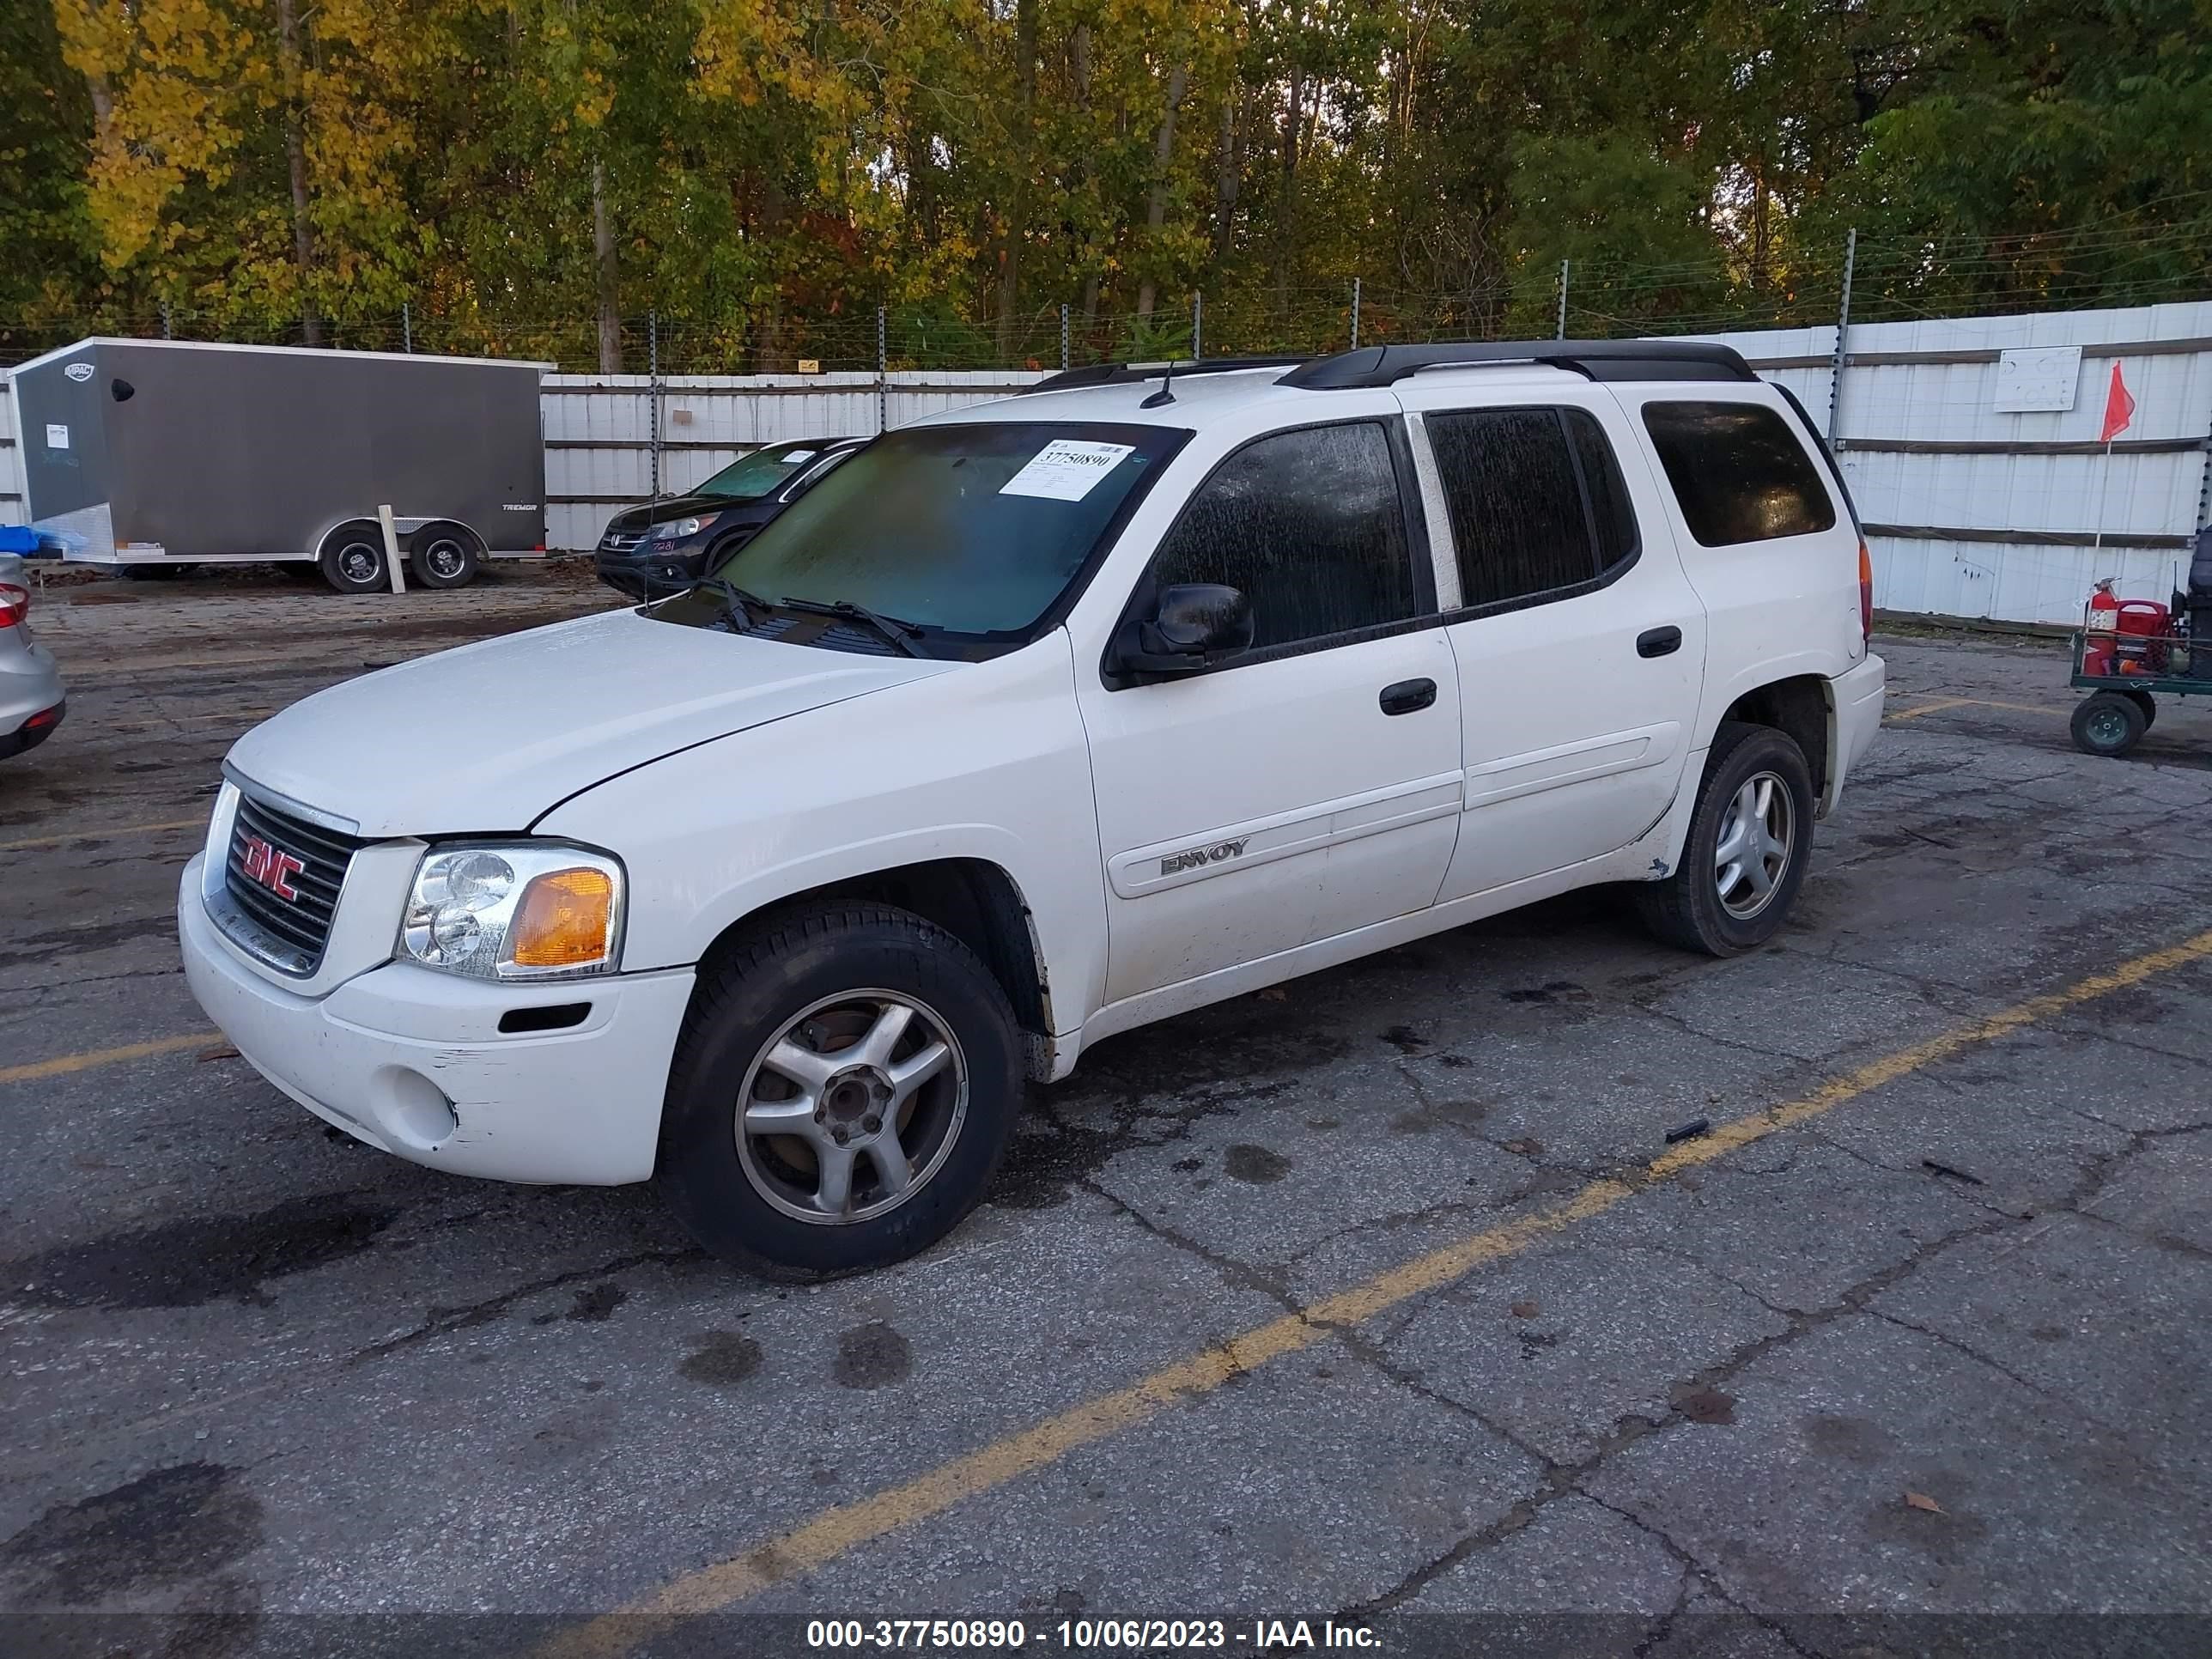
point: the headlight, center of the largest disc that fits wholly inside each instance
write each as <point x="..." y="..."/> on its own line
<point x="677" y="529"/>
<point x="531" y="911"/>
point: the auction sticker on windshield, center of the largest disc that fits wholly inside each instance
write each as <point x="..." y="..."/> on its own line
<point x="1066" y="470"/>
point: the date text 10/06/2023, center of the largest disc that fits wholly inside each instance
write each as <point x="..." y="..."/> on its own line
<point x="1087" y="1635"/>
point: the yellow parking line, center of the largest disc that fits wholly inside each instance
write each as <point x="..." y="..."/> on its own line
<point x="835" y="1532"/>
<point x="1929" y="709"/>
<point x="199" y="822"/>
<point x="1977" y="702"/>
<point x="63" y="1065"/>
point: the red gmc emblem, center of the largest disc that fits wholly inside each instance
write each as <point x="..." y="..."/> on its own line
<point x="270" y="865"/>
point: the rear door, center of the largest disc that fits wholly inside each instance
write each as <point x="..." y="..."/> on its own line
<point x="1311" y="786"/>
<point x="1580" y="645"/>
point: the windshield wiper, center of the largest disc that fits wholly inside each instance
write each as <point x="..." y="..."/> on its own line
<point x="900" y="634"/>
<point x="736" y="600"/>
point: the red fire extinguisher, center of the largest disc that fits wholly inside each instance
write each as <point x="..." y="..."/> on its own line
<point x="2100" y="637"/>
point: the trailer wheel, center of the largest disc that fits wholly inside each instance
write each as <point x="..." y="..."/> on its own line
<point x="2108" y="724"/>
<point x="2144" y="701"/>
<point x="352" y="558"/>
<point x="443" y="555"/>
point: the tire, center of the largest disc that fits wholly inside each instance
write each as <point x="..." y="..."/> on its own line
<point x="2144" y="701"/>
<point x="1724" y="906"/>
<point x="816" y="983"/>
<point x="442" y="556"/>
<point x="352" y="558"/>
<point x="2108" y="723"/>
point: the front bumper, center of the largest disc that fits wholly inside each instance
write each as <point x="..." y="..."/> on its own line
<point x="649" y="573"/>
<point x="412" y="1061"/>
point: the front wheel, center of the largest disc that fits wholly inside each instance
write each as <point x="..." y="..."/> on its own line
<point x="352" y="558"/>
<point x="1750" y="837"/>
<point x="844" y="1085"/>
<point x="2108" y="724"/>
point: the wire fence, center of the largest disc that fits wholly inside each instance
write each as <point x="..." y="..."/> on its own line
<point x="2117" y="264"/>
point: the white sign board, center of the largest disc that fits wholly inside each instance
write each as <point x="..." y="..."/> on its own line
<point x="56" y="437"/>
<point x="1066" y="470"/>
<point x="2035" y="379"/>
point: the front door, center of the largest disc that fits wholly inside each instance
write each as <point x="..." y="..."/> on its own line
<point x="1311" y="786"/>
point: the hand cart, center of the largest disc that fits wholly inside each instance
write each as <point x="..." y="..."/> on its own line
<point x="2125" y="674"/>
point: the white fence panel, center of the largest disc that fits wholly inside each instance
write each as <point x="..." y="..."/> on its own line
<point x="598" y="427"/>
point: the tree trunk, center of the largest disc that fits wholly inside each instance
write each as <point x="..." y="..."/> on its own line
<point x="1762" y="199"/>
<point x="1017" y="201"/>
<point x="296" y="158"/>
<point x="1286" y="207"/>
<point x="1227" y="175"/>
<point x="1156" y="210"/>
<point x="603" y="263"/>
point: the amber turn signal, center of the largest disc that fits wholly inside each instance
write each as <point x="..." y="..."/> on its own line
<point x="566" y="920"/>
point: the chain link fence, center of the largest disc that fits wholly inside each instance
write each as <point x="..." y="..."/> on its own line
<point x="2116" y="264"/>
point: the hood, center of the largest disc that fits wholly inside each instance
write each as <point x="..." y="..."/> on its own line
<point x="485" y="738"/>
<point x="649" y="513"/>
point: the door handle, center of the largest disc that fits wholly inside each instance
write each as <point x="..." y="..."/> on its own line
<point x="1658" y="641"/>
<point x="1406" y="696"/>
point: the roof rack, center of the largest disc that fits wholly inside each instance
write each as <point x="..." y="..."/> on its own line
<point x="1129" y="373"/>
<point x="1596" y="360"/>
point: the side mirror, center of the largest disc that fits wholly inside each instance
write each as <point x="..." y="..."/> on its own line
<point x="1194" y="626"/>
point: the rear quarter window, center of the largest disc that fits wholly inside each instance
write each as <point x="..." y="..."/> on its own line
<point x="1738" y="471"/>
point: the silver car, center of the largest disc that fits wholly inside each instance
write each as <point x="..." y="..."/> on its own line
<point x="31" y="702"/>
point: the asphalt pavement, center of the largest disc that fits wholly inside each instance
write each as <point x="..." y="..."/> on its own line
<point x="1379" y="1299"/>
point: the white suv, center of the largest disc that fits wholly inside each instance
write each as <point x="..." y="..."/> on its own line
<point x="1036" y="721"/>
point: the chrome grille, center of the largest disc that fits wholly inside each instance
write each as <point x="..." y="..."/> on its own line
<point x="622" y="541"/>
<point x="300" y="926"/>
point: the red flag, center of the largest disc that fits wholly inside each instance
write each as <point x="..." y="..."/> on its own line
<point x="2119" y="408"/>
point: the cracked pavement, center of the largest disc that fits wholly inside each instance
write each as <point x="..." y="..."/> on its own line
<point x="1940" y="1352"/>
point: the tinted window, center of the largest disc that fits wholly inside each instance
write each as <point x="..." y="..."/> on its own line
<point x="1514" y="482"/>
<point x="1738" y="471"/>
<point x="1611" y="517"/>
<point x="973" y="529"/>
<point x="1309" y="525"/>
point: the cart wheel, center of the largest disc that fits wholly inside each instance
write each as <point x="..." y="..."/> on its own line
<point x="2108" y="724"/>
<point x="2144" y="701"/>
<point x="442" y="556"/>
<point x="352" y="559"/>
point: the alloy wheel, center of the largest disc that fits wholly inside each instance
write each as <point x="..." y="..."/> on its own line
<point x="851" y="1107"/>
<point x="1758" y="832"/>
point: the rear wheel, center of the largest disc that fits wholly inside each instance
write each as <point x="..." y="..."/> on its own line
<point x="1750" y="837"/>
<point x="352" y="558"/>
<point x="442" y="556"/>
<point x="2109" y="723"/>
<point x="842" y="1089"/>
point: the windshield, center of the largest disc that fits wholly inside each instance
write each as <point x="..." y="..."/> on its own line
<point x="965" y="529"/>
<point x="759" y="472"/>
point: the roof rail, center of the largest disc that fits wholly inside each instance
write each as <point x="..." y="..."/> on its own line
<point x="1129" y="373"/>
<point x="1596" y="360"/>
